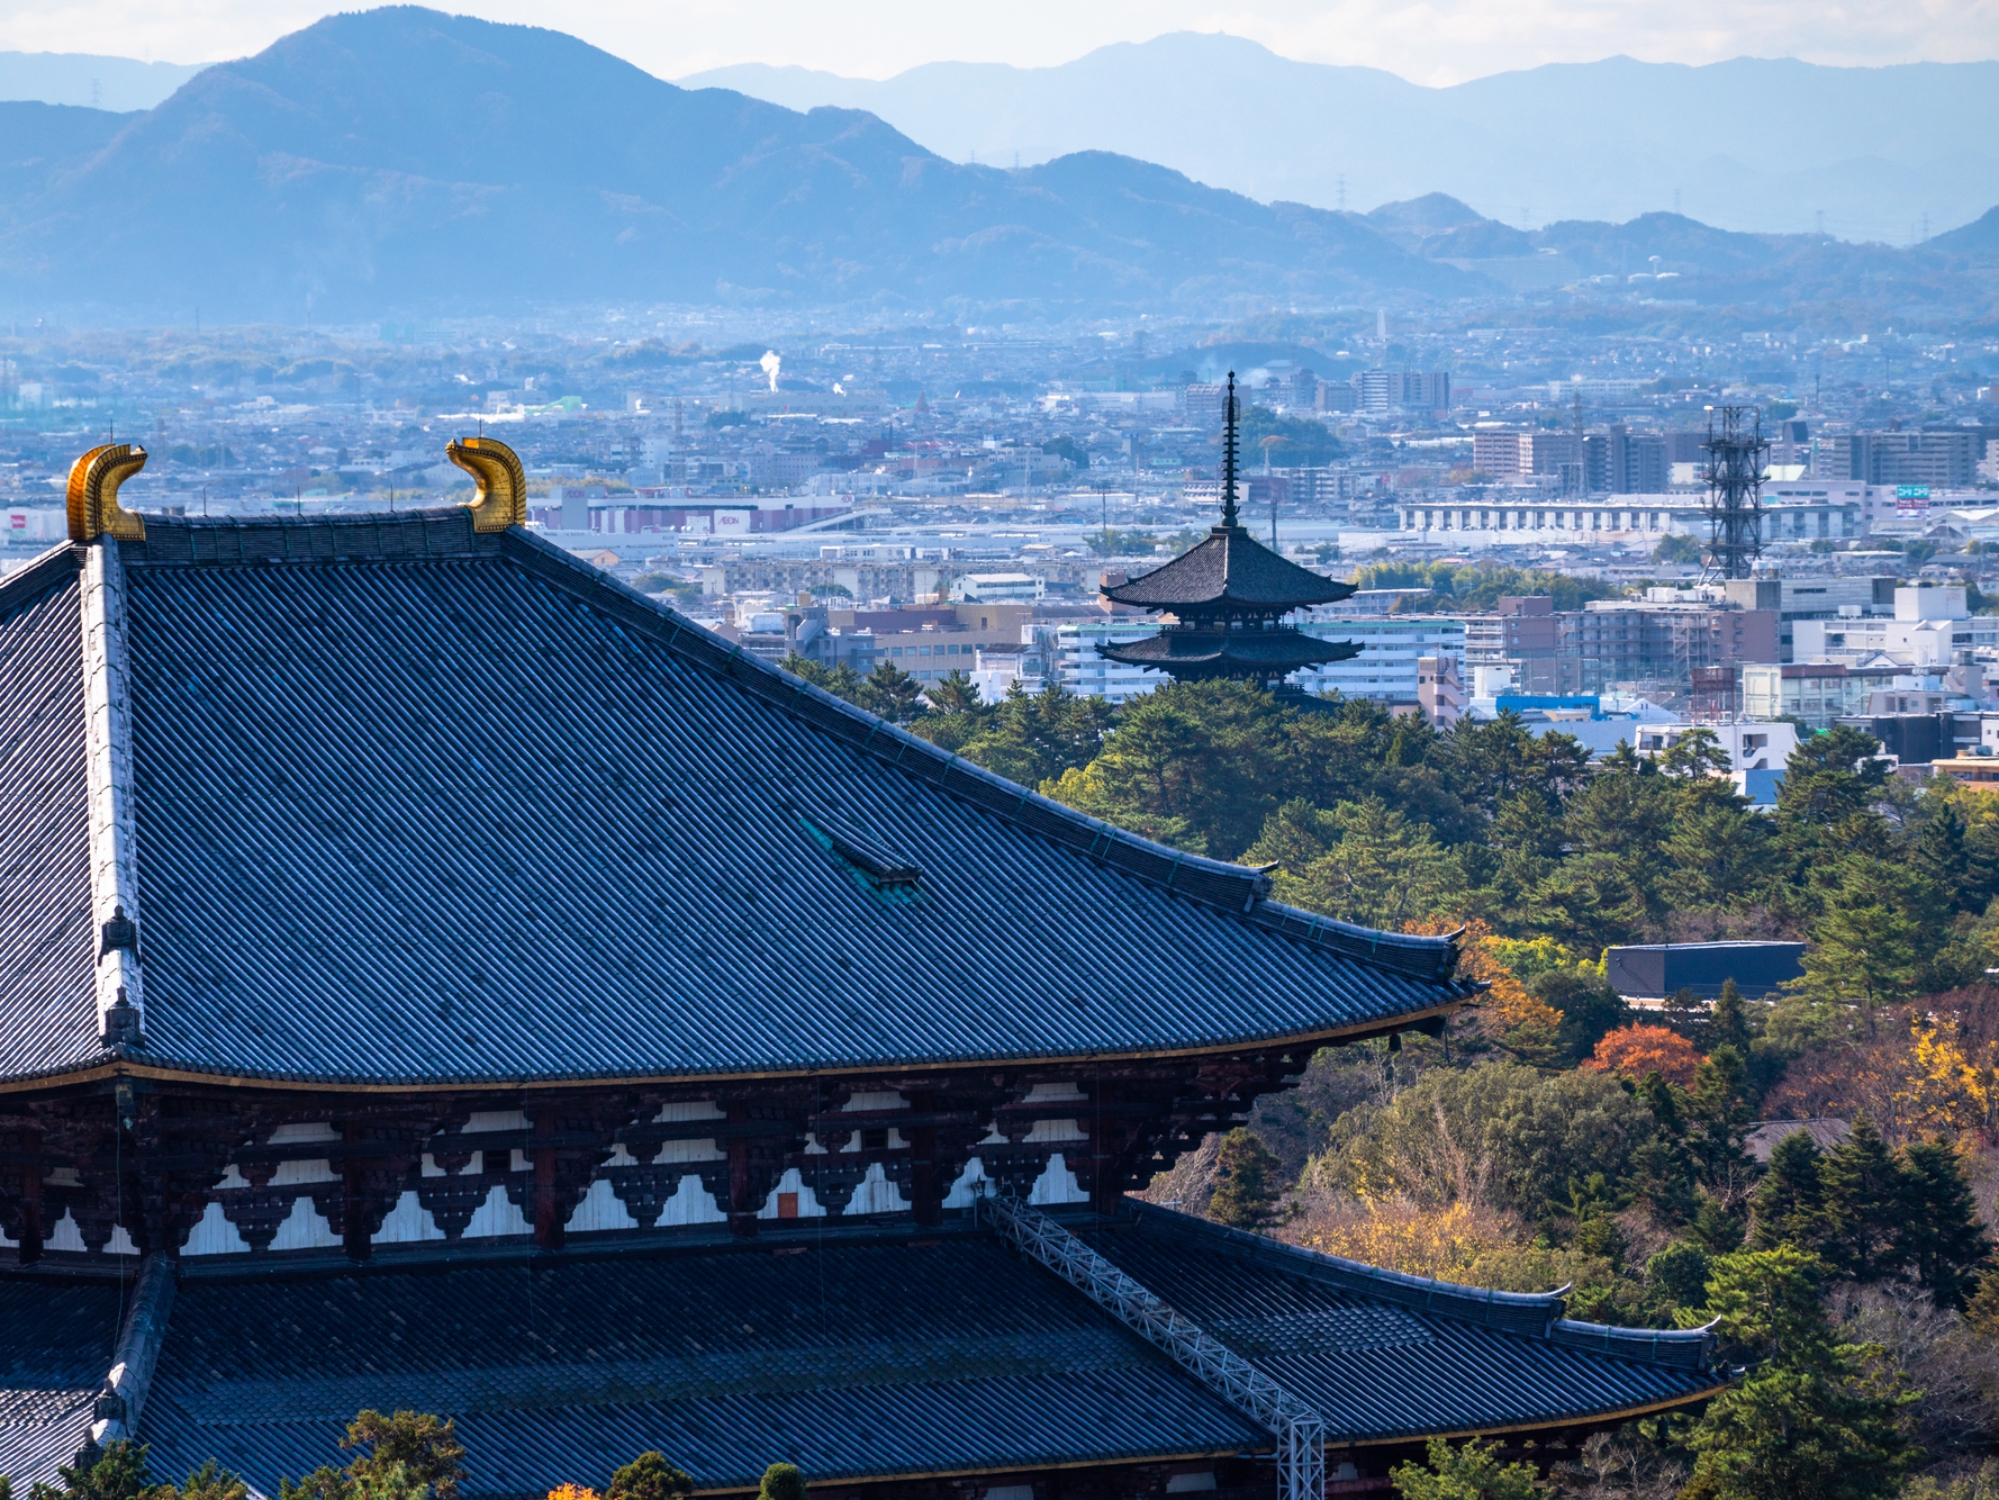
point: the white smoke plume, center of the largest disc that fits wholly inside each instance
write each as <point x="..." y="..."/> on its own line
<point x="770" y="362"/>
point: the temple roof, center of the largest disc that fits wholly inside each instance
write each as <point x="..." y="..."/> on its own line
<point x="1229" y="653"/>
<point x="1229" y="567"/>
<point x="855" y="1355"/>
<point x="417" y="803"/>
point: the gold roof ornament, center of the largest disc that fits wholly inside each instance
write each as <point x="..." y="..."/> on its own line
<point x="502" y="500"/>
<point x="93" y="494"/>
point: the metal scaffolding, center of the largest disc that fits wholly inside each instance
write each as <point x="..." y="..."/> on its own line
<point x="1735" y="449"/>
<point x="1300" y="1431"/>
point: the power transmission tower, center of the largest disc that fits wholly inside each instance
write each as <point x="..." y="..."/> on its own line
<point x="1735" y="449"/>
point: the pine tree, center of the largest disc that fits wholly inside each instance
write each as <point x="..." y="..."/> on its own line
<point x="117" y="1471"/>
<point x="782" y="1482"/>
<point x="1788" y="1207"/>
<point x="1245" y="1182"/>
<point x="1941" y="1237"/>
<point x="649" y="1477"/>
<point x="1728" y="1022"/>
<point x="1861" y="1191"/>
<point x="1813" y="1417"/>
<point x="1472" y="1472"/>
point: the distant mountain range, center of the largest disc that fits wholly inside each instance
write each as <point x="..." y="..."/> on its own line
<point x="119" y="84"/>
<point x="404" y="161"/>
<point x="1753" y="145"/>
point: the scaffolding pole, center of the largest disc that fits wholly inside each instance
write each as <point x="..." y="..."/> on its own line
<point x="1299" y="1430"/>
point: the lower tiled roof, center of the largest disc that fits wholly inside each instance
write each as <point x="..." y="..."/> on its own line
<point x="56" y="1338"/>
<point x="1386" y="1357"/>
<point x="856" y="1360"/>
<point x="852" y="1357"/>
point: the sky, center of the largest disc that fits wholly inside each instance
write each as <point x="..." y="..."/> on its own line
<point x="1428" y="41"/>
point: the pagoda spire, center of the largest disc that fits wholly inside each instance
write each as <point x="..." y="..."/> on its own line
<point x="1229" y="412"/>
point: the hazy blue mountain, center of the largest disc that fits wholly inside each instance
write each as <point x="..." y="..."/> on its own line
<point x="402" y="158"/>
<point x="117" y="84"/>
<point x="1978" y="240"/>
<point x="1751" y="144"/>
<point x="38" y="141"/>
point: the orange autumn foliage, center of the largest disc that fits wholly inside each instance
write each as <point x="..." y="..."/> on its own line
<point x="1636" y="1050"/>
<point x="1506" y="999"/>
<point x="568" y="1491"/>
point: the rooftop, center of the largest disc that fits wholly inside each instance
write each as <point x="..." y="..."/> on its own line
<point x="415" y="802"/>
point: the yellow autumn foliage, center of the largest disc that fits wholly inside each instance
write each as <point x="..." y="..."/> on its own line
<point x="1440" y="1242"/>
<point x="1950" y="1084"/>
<point x="572" y="1492"/>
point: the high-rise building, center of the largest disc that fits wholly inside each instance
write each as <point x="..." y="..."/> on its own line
<point x="1941" y="458"/>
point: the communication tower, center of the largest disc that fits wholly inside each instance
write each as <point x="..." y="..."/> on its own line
<point x="1735" y="450"/>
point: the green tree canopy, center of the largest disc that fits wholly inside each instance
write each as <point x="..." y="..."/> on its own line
<point x="1246" y="1182"/>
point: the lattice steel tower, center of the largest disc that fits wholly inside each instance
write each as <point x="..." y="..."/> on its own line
<point x="1734" y="474"/>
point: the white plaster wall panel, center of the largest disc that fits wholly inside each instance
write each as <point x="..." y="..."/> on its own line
<point x="408" y="1223"/>
<point x="497" y="1217"/>
<point x="599" y="1210"/>
<point x="965" y="1191"/>
<point x="305" y="1228"/>
<point x="809" y="1206"/>
<point x="1057" y="1184"/>
<point x="213" y="1234"/>
<point x="875" y="1194"/>
<point x="691" y="1203"/>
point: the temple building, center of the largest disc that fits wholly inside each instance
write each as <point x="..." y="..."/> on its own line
<point x="439" y="977"/>
<point x="1226" y="598"/>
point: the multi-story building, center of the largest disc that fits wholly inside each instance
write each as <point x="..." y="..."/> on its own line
<point x="1083" y="670"/>
<point x="1500" y="454"/>
<point x="1388" y="669"/>
<point x="1811" y="693"/>
<point x="1440" y="690"/>
<point x="1501" y="516"/>
<point x="1936" y="458"/>
<point x="1626" y="641"/>
<point x="1526" y="638"/>
<point x="1932" y="629"/>
<point x="1384" y="390"/>
<point x="1619" y="462"/>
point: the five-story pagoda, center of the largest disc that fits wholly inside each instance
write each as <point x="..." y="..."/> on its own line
<point x="1226" y="600"/>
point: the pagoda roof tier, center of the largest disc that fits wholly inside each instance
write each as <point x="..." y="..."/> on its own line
<point x="1229" y="653"/>
<point x="859" y="1353"/>
<point x="403" y="800"/>
<point x="1230" y="568"/>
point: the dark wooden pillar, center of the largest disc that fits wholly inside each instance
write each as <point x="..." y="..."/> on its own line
<point x="1106" y="1181"/>
<point x="743" y="1204"/>
<point x="925" y="1190"/>
<point x="547" y="1208"/>
<point x="32" y="1228"/>
<point x="354" y="1215"/>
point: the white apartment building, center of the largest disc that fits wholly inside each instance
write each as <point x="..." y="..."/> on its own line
<point x="1932" y="630"/>
<point x="1497" y="518"/>
<point x="1391" y="647"/>
<point x="1081" y="670"/>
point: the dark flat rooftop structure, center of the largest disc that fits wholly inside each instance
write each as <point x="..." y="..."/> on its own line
<point x="859" y="1356"/>
<point x="1653" y="971"/>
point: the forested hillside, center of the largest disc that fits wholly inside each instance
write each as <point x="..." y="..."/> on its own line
<point x="1550" y="1137"/>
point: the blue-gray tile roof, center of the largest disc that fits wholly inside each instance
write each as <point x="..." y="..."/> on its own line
<point x="48" y="1016"/>
<point x="849" y="1360"/>
<point x="853" y="1357"/>
<point x="1385" y="1357"/>
<point x="415" y="804"/>
<point x="56" y="1338"/>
